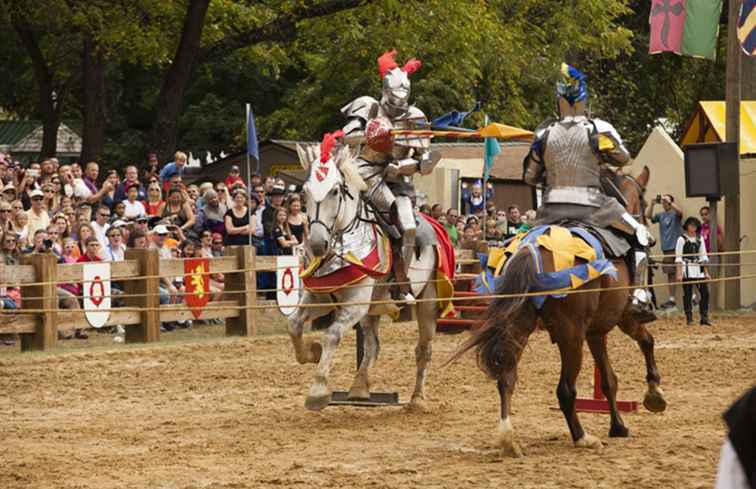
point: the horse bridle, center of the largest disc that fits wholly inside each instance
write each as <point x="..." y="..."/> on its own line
<point x="335" y="236"/>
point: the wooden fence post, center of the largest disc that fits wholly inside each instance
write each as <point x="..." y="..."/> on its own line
<point x="243" y="286"/>
<point x="43" y="296"/>
<point x="148" y="290"/>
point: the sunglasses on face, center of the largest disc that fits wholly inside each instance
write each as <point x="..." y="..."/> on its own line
<point x="5" y="210"/>
<point x="104" y="215"/>
<point x="217" y="242"/>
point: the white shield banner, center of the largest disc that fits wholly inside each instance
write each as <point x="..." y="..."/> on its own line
<point x="96" y="285"/>
<point x="287" y="283"/>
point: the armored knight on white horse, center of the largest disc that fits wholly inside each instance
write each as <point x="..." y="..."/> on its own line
<point x="356" y="195"/>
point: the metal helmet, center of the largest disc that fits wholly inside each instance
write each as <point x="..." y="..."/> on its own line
<point x="571" y="90"/>
<point x="396" y="84"/>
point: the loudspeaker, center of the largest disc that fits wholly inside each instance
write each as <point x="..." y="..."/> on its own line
<point x="711" y="170"/>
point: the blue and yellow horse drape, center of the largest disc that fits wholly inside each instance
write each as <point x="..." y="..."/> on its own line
<point x="567" y="245"/>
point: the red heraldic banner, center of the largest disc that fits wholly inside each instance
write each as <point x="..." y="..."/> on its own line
<point x="197" y="284"/>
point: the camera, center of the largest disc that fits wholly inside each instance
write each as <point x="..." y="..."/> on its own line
<point x="47" y="244"/>
<point x="658" y="199"/>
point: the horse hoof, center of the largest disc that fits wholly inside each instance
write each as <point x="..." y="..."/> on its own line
<point x="510" y="447"/>
<point x="416" y="405"/>
<point x="654" y="401"/>
<point x="317" y="403"/>
<point x="619" y="431"/>
<point x="359" y="394"/>
<point x="589" y="441"/>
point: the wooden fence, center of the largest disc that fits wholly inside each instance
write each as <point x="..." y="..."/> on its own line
<point x="39" y="319"/>
<point x="140" y="273"/>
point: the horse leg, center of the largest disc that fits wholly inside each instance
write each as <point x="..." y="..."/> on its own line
<point x="346" y="317"/>
<point x="305" y="351"/>
<point x="654" y="399"/>
<point x="597" y="344"/>
<point x="571" y="352"/>
<point x="360" y="389"/>
<point x="510" y="351"/>
<point x="427" y="311"/>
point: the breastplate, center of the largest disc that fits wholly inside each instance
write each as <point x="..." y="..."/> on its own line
<point x="569" y="158"/>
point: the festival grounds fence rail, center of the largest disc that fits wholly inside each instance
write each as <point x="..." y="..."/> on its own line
<point x="39" y="319"/>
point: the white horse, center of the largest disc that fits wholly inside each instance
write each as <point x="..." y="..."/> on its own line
<point x="338" y="227"/>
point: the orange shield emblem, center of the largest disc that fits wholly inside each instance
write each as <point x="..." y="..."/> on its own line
<point x="197" y="284"/>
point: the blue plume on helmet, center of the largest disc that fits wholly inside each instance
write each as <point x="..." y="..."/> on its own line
<point x="572" y="86"/>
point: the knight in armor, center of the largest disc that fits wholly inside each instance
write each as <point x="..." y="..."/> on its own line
<point x="566" y="158"/>
<point x="387" y="163"/>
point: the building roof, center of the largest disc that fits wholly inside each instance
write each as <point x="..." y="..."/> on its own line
<point x="707" y="125"/>
<point x="25" y="137"/>
<point x="12" y="132"/>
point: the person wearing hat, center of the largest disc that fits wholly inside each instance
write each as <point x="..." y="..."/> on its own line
<point x="276" y="195"/>
<point x="234" y="178"/>
<point x="691" y="260"/>
<point x="9" y="193"/>
<point x="37" y="214"/>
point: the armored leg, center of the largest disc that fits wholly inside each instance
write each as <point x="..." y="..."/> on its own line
<point x="405" y="217"/>
<point x="641" y="306"/>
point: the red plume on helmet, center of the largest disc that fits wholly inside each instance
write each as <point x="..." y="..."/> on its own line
<point x="387" y="62"/>
<point x="329" y="141"/>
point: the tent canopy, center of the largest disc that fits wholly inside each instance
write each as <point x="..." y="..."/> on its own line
<point x="707" y="125"/>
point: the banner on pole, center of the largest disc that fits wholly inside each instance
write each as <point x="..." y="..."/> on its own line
<point x="96" y="293"/>
<point x="288" y="284"/>
<point x="196" y="284"/>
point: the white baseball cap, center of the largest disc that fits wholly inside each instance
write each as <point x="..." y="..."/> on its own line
<point x="160" y="229"/>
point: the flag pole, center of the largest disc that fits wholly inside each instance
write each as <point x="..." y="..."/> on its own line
<point x="249" y="184"/>
<point x="485" y="185"/>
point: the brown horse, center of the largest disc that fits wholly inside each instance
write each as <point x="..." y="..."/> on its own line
<point x="570" y="321"/>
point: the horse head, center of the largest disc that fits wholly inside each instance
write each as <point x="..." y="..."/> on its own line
<point x="634" y="191"/>
<point x="331" y="191"/>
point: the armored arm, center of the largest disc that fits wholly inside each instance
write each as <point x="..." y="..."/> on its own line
<point x="610" y="145"/>
<point x="533" y="166"/>
<point x="358" y="112"/>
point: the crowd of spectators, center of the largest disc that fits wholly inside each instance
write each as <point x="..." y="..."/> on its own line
<point x="80" y="215"/>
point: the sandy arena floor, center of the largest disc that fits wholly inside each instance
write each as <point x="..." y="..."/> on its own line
<point x="210" y="412"/>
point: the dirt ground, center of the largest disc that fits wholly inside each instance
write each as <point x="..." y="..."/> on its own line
<point x="209" y="412"/>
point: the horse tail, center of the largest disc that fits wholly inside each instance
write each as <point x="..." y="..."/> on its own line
<point x="493" y="336"/>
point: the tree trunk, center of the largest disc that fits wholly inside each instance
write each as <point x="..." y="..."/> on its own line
<point x="48" y="105"/>
<point x="163" y="136"/>
<point x="93" y="108"/>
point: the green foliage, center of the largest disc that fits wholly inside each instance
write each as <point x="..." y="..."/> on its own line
<point x="504" y="53"/>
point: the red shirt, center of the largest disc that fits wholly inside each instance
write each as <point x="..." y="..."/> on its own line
<point x="230" y="181"/>
<point x="706" y="234"/>
<point x="85" y="259"/>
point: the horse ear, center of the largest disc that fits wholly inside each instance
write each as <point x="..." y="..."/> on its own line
<point x="304" y="158"/>
<point x="643" y="177"/>
<point x="344" y="160"/>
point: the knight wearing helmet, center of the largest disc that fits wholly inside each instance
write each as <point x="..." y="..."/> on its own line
<point x="388" y="163"/>
<point x="566" y="159"/>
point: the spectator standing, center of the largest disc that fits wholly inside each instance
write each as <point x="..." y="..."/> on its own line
<point x="669" y="220"/>
<point x="37" y="214"/>
<point x="437" y="211"/>
<point x="85" y="188"/>
<point x="83" y="233"/>
<point x="296" y="219"/>
<point x="514" y="221"/>
<point x="6" y="223"/>
<point x="177" y="209"/>
<point x="704" y="213"/>
<point x="237" y="221"/>
<point x="234" y="178"/>
<point x="452" y="217"/>
<point x="131" y="178"/>
<point x="108" y="198"/>
<point x="115" y="249"/>
<point x="175" y="168"/>
<point x="285" y="240"/>
<point x="154" y="205"/>
<point x="21" y="227"/>
<point x="133" y="208"/>
<point x="691" y="260"/>
<point x="212" y="215"/>
<point x="217" y="245"/>
<point x="100" y="225"/>
<point x="152" y="170"/>
<point x="276" y="197"/>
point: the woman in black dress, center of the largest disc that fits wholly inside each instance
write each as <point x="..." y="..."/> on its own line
<point x="238" y="225"/>
<point x="285" y="240"/>
<point x="297" y="219"/>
